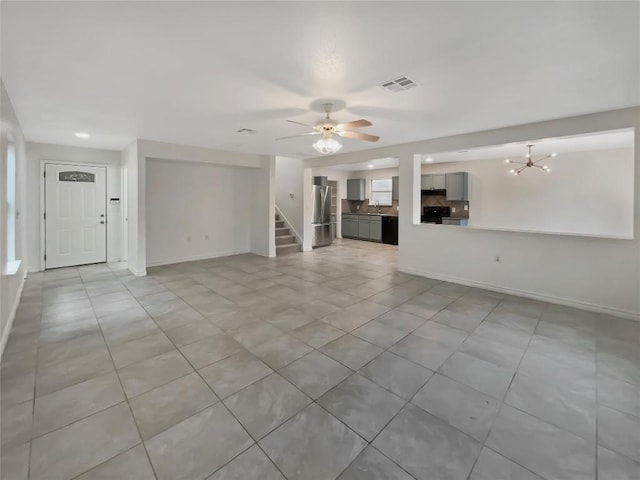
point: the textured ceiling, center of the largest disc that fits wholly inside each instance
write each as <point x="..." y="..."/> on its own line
<point x="196" y="72"/>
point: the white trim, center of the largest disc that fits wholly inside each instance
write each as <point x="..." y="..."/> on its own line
<point x="297" y="235"/>
<point x="137" y="273"/>
<point x="33" y="269"/>
<point x="193" y="258"/>
<point x="43" y="204"/>
<point x="12" y="316"/>
<point x="522" y="293"/>
<point x="11" y="268"/>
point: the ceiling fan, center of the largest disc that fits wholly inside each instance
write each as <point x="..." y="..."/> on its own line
<point x="328" y="127"/>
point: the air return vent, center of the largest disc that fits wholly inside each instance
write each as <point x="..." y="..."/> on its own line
<point x="399" y="84"/>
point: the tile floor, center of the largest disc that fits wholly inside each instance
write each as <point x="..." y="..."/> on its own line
<point x="321" y="365"/>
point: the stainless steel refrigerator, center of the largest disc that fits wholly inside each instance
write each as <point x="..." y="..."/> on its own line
<point x="321" y="216"/>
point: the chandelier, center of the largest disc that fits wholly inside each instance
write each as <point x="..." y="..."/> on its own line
<point x="530" y="162"/>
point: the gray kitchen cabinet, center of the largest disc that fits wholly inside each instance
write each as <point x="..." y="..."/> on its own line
<point x="395" y="188"/>
<point x="364" y="228"/>
<point x="349" y="226"/>
<point x="433" y="182"/>
<point x="439" y="181"/>
<point x="375" y="232"/>
<point x="457" y="186"/>
<point x="356" y="189"/>
<point x="455" y="221"/>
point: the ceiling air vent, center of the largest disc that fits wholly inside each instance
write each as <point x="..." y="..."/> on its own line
<point x="246" y="131"/>
<point x="399" y="84"/>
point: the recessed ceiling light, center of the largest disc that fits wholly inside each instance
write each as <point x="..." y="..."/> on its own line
<point x="428" y="159"/>
<point x="370" y="165"/>
<point x="82" y="135"/>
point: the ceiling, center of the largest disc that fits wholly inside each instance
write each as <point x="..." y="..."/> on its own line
<point x="577" y="143"/>
<point x="376" y="164"/>
<point x="196" y="72"/>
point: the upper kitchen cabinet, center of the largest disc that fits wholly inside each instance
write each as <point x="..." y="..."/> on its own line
<point x="457" y="185"/>
<point x="433" y="182"/>
<point x="356" y="189"/>
<point x="395" y="188"/>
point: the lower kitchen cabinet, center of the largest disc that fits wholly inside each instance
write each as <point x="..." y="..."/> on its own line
<point x="362" y="227"/>
<point x="376" y="231"/>
<point x="349" y="226"/>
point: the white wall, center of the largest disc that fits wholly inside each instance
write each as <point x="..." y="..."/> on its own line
<point x="289" y="191"/>
<point x="588" y="193"/>
<point x="11" y="285"/>
<point x="188" y="202"/>
<point x="593" y="273"/>
<point x="135" y="157"/>
<point x="36" y="153"/>
<point x="263" y="212"/>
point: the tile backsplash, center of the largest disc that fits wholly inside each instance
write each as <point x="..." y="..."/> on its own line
<point x="351" y="206"/>
<point x="441" y="201"/>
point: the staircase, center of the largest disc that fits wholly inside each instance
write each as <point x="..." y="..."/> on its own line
<point x="285" y="241"/>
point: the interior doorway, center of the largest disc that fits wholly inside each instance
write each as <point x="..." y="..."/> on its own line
<point x="75" y="217"/>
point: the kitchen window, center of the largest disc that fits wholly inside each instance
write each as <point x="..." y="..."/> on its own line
<point x="381" y="191"/>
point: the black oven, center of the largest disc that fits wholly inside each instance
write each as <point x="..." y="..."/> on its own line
<point x="434" y="214"/>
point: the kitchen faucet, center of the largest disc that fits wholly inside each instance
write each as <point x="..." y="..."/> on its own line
<point x="378" y="205"/>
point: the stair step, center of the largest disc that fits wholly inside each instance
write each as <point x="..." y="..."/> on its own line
<point x="279" y="223"/>
<point x="285" y="239"/>
<point x="287" y="249"/>
<point x="282" y="231"/>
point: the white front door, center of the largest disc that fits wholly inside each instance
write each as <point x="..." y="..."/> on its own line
<point x="75" y="215"/>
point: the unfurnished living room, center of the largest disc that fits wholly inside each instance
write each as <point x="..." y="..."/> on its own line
<point x="304" y="240"/>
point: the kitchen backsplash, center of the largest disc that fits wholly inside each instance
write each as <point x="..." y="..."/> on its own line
<point x="351" y="206"/>
<point x="441" y="201"/>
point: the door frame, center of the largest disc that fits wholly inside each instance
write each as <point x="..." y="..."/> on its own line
<point x="43" y="204"/>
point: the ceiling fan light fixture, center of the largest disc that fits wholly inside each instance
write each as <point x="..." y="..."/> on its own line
<point x="327" y="146"/>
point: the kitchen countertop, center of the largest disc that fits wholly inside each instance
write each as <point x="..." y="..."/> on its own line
<point x="372" y="214"/>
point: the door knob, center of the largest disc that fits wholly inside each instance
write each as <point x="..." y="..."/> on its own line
<point x="101" y="222"/>
<point x="102" y="215"/>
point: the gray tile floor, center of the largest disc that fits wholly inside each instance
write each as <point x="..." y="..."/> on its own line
<point x="322" y="365"/>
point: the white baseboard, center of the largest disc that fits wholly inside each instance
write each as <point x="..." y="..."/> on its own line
<point x="138" y="273"/>
<point x="522" y="293"/>
<point x="193" y="258"/>
<point x="33" y="269"/>
<point x="12" y="316"/>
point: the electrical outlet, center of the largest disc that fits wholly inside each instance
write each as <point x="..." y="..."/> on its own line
<point x="496" y="259"/>
<point x="453" y="209"/>
<point x="466" y="207"/>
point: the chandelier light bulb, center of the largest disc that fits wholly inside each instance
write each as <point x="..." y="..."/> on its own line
<point x="507" y="161"/>
<point x="512" y="171"/>
<point x="554" y="154"/>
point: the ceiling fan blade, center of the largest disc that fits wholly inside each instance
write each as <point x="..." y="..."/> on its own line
<point x="299" y="123"/>
<point x="300" y="135"/>
<point x="359" y="136"/>
<point x="354" y="124"/>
